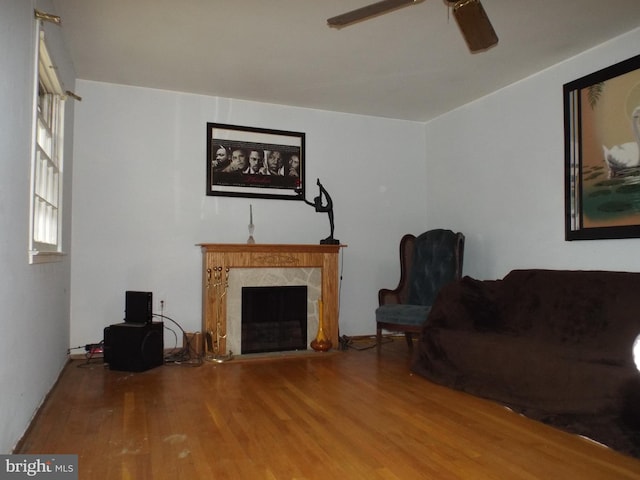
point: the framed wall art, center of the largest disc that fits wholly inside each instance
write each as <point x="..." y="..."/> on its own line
<point x="602" y="153"/>
<point x="255" y="162"/>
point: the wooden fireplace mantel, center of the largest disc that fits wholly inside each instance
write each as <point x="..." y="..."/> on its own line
<point x="218" y="260"/>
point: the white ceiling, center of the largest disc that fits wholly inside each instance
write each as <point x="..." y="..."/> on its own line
<point x="408" y="64"/>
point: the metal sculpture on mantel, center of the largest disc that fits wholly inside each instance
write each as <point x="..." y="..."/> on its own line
<point x="327" y="207"/>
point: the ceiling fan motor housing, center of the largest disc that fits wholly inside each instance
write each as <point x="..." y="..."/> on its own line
<point x="469" y="14"/>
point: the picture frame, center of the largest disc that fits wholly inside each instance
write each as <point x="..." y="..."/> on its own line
<point x="255" y="162"/>
<point x="602" y="153"/>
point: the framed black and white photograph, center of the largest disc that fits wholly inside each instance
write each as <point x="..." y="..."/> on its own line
<point x="602" y="153"/>
<point x="255" y="162"/>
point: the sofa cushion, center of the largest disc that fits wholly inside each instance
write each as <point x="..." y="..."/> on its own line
<point x="593" y="309"/>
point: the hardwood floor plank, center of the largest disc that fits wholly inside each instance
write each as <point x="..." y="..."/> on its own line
<point x="347" y="415"/>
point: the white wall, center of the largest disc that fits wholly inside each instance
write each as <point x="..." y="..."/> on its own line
<point x="496" y="172"/>
<point x="34" y="325"/>
<point x="140" y="206"/>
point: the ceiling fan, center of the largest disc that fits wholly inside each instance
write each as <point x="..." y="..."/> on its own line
<point x="469" y="14"/>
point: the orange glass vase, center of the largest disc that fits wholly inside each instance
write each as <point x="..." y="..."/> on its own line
<point x="321" y="343"/>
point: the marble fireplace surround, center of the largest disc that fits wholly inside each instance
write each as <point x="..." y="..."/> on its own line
<point x="238" y="265"/>
<point x="263" y="277"/>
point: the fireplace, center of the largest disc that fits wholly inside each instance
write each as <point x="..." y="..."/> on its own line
<point x="274" y="319"/>
<point x="227" y="268"/>
<point x="267" y="278"/>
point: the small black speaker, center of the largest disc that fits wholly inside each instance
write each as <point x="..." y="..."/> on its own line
<point x="134" y="347"/>
<point x="138" y="307"/>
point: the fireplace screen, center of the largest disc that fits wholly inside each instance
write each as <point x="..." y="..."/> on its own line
<point x="274" y="319"/>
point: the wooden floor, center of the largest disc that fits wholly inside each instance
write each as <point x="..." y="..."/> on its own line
<point x="343" y="415"/>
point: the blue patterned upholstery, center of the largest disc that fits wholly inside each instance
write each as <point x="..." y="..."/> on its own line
<point x="435" y="259"/>
<point x="402" y="314"/>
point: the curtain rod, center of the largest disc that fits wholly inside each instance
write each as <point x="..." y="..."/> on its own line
<point x="73" y="95"/>
<point x="47" y="17"/>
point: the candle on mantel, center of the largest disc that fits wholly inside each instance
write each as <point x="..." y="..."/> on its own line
<point x="251" y="227"/>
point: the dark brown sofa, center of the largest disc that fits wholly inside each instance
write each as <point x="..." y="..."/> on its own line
<point x="553" y="345"/>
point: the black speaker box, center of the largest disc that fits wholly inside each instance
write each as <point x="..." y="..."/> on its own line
<point x="138" y="307"/>
<point x="134" y="347"/>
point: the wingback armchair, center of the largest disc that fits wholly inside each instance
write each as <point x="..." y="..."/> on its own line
<point x="427" y="263"/>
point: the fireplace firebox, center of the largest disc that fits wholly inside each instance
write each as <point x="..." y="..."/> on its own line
<point x="274" y="319"/>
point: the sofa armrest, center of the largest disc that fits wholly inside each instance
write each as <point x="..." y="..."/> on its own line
<point x="467" y="304"/>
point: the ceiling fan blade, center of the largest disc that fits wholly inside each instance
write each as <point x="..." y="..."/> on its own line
<point x="474" y="25"/>
<point x="369" y="11"/>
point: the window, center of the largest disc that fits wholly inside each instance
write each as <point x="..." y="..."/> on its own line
<point x="47" y="167"/>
